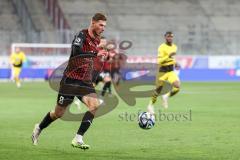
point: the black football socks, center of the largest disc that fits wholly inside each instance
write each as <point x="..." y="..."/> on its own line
<point x="46" y="121"/>
<point x="106" y="86"/>
<point x="86" y="122"/>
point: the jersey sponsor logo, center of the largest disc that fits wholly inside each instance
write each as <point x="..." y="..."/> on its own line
<point x="77" y="41"/>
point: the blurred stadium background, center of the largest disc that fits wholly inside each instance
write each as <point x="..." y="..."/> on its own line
<point x="207" y="32"/>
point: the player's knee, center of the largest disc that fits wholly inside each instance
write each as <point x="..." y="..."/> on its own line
<point x="53" y="115"/>
<point x="107" y="79"/>
<point x="160" y="83"/>
<point x="58" y="112"/>
<point x="93" y="104"/>
<point x="56" y="115"/>
<point x="176" y="84"/>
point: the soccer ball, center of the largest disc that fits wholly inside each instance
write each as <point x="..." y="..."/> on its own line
<point x="146" y="120"/>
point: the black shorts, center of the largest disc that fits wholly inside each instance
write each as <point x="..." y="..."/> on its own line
<point x="96" y="78"/>
<point x="69" y="88"/>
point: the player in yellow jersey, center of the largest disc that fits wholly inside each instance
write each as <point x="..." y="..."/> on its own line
<point x="16" y="59"/>
<point x="167" y="63"/>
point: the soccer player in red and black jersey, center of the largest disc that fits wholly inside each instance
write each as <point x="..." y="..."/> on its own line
<point x="77" y="80"/>
<point x="102" y="67"/>
<point x="107" y="77"/>
<point x="118" y="62"/>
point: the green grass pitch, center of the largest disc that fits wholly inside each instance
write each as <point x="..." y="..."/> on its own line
<point x="212" y="133"/>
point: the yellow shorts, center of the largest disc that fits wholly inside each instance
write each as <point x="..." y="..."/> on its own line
<point x="166" y="76"/>
<point x="16" y="71"/>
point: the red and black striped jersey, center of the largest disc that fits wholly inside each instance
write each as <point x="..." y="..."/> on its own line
<point x="83" y="50"/>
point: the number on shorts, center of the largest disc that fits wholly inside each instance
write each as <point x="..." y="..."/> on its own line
<point x="61" y="99"/>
